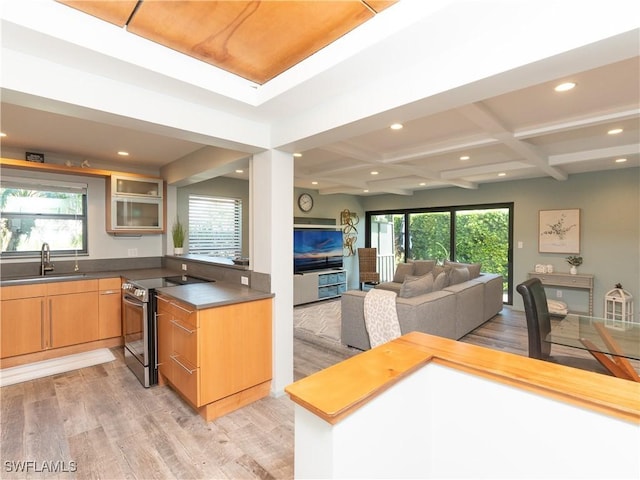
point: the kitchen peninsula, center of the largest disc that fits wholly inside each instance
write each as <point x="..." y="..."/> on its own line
<point x="214" y="345"/>
<point x="219" y="331"/>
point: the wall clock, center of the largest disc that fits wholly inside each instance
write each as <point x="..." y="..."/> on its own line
<point x="305" y="202"/>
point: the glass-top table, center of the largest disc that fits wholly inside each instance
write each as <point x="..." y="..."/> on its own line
<point x="574" y="329"/>
<point x="601" y="337"/>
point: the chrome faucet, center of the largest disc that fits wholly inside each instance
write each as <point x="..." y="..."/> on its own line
<point x="45" y="259"/>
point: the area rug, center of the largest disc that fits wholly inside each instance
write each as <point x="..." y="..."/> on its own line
<point x="44" y="368"/>
<point x="320" y="319"/>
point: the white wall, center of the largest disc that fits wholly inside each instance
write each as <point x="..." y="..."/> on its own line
<point x="443" y="423"/>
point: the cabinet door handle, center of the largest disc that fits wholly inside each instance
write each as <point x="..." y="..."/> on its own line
<point x="42" y="339"/>
<point x="182" y="327"/>
<point x="158" y="297"/>
<point x="50" y="323"/>
<point x="109" y="292"/>
<point x="188" y="370"/>
<point x="183" y="309"/>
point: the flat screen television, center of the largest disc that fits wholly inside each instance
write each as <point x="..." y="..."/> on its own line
<point x="316" y="249"/>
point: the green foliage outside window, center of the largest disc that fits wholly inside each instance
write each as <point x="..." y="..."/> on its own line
<point x="30" y="216"/>
<point x="481" y="235"/>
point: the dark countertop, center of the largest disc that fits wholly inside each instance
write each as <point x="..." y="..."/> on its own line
<point x="200" y="295"/>
<point x="209" y="295"/>
<point x="138" y="274"/>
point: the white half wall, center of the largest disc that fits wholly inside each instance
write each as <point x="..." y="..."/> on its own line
<point x="443" y="423"/>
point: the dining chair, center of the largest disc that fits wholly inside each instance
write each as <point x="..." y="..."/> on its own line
<point x="539" y="326"/>
<point x="368" y="265"/>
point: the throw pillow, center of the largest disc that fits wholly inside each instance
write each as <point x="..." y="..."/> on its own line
<point x="441" y="281"/>
<point x="422" y="267"/>
<point x="401" y="270"/>
<point x="414" y="286"/>
<point x="458" y="275"/>
<point x="474" y="268"/>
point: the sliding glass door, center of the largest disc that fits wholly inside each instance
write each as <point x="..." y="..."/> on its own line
<point x="469" y="234"/>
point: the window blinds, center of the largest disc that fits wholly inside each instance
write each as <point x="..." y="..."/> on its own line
<point x="215" y="225"/>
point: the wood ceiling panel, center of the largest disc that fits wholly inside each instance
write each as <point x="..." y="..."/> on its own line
<point x="379" y="5"/>
<point x="112" y="11"/>
<point x="255" y="40"/>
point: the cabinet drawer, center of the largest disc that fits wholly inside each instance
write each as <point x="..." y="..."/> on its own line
<point x="185" y="378"/>
<point x="563" y="280"/>
<point x="63" y="288"/>
<point x="110" y="284"/>
<point x="576" y="281"/>
<point x="23" y="291"/>
<point x="185" y="340"/>
<point x="185" y="314"/>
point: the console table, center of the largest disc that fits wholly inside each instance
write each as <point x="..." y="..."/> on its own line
<point x="578" y="281"/>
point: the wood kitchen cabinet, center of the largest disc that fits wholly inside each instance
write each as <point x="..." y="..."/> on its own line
<point x="42" y="317"/>
<point x="109" y="308"/>
<point x="219" y="359"/>
<point x="73" y="312"/>
<point x="22" y="320"/>
<point x="135" y="204"/>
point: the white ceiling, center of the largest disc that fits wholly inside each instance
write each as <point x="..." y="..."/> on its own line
<point x="457" y="92"/>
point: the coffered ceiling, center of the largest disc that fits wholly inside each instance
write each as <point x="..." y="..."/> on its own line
<point x="427" y="65"/>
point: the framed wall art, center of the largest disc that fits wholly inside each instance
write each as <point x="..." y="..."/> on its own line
<point x="559" y="231"/>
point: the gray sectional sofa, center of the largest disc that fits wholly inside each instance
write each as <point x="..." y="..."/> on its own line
<point x="446" y="300"/>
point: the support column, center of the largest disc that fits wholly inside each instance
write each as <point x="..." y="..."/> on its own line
<point x="272" y="251"/>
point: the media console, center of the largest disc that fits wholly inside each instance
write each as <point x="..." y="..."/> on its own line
<point x="318" y="285"/>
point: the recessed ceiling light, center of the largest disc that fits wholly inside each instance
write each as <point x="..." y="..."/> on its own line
<point x="564" y="87"/>
<point x="239" y="170"/>
<point x="123" y="154"/>
<point x="314" y="183"/>
<point x="615" y="131"/>
<point x="366" y="191"/>
<point x="374" y="173"/>
<point x="422" y="184"/>
<point x="502" y="174"/>
<point x="396" y="126"/>
<point x="2" y="134"/>
<point x="465" y="157"/>
<point x="621" y="160"/>
<point x="297" y="155"/>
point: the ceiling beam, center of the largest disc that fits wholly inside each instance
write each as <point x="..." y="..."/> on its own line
<point x="484" y="118"/>
<point x="599" y="118"/>
<point x="596" y="154"/>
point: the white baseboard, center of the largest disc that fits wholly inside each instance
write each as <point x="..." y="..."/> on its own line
<point x="44" y="368"/>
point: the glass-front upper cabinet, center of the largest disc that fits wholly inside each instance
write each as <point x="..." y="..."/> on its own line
<point x="135" y="205"/>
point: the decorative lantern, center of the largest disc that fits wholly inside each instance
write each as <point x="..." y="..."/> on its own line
<point x="618" y="309"/>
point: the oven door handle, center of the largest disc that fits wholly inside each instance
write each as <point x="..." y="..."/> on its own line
<point x="136" y="303"/>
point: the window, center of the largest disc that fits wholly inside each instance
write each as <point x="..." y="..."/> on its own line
<point x="33" y="212"/>
<point x="479" y="233"/>
<point x="215" y="226"/>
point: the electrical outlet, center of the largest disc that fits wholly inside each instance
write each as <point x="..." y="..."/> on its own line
<point x="558" y="293"/>
<point x="520" y="244"/>
<point x="244" y="280"/>
<point x="184" y="267"/>
<point x="132" y="252"/>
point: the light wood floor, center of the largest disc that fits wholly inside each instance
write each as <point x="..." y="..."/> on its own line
<point x="112" y="428"/>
